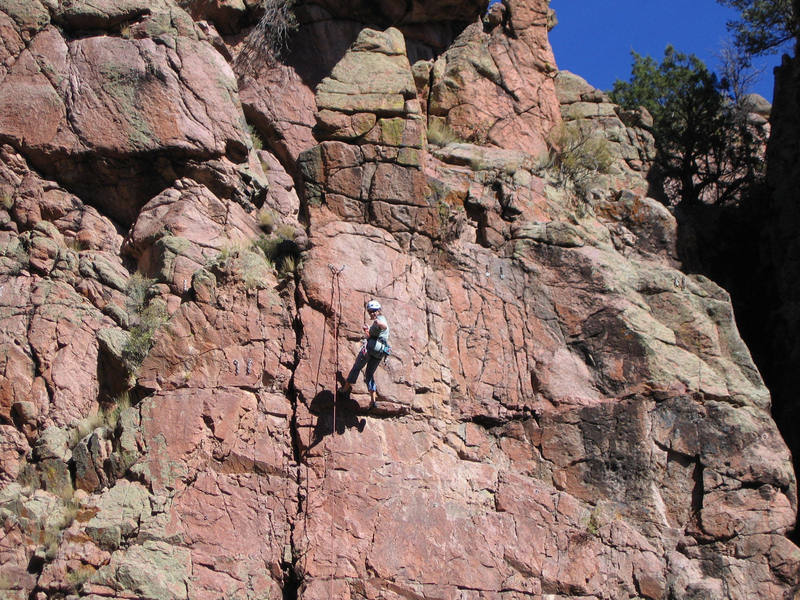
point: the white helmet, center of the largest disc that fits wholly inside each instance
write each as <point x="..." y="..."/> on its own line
<point x="373" y="305"/>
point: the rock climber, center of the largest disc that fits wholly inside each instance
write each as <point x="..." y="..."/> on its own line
<point x="373" y="351"/>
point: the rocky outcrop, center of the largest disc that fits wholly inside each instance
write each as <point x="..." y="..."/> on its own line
<point x="497" y="87"/>
<point x="327" y="29"/>
<point x="520" y="237"/>
<point x="110" y="107"/>
<point x="627" y="132"/>
<point x="564" y="413"/>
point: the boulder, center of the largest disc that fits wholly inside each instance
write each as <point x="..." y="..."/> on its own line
<point x="758" y="105"/>
<point x="120" y="510"/>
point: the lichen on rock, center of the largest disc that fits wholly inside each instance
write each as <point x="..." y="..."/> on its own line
<point x="564" y="413"/>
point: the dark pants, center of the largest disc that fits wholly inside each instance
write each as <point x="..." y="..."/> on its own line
<point x="372" y="363"/>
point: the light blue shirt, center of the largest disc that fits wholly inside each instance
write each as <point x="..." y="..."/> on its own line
<point x="378" y="333"/>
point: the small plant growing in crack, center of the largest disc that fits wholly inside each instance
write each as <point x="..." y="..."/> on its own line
<point x="281" y="249"/>
<point x="147" y="314"/>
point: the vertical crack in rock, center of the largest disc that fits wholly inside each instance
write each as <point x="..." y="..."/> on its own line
<point x="292" y="578"/>
<point x="697" y="490"/>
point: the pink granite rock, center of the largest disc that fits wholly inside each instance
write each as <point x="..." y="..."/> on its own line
<point x="13" y="448"/>
<point x="291" y="122"/>
<point x="496" y="86"/>
<point x="119" y="97"/>
<point x="564" y="412"/>
<point x="237" y="338"/>
<point x="222" y="452"/>
<point x="565" y="369"/>
<point x="53" y="344"/>
<point x="184" y="228"/>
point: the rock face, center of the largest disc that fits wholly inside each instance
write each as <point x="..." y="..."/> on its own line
<point x="778" y="319"/>
<point x="627" y="132"/>
<point x="108" y="106"/>
<point x="497" y="86"/>
<point x="564" y="413"/>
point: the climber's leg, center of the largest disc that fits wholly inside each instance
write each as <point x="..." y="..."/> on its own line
<point x="369" y="376"/>
<point x="361" y="360"/>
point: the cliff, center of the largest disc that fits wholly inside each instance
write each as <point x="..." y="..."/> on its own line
<point x="190" y="228"/>
<point x="777" y="325"/>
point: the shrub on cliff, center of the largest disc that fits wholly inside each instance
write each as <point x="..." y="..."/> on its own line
<point x="281" y="249"/>
<point x="270" y="37"/>
<point x="146" y="315"/>
<point x="439" y="133"/>
<point x="577" y="154"/>
<point x="141" y="335"/>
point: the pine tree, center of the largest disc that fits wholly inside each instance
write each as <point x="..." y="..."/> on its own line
<point x="706" y="150"/>
<point x="764" y="26"/>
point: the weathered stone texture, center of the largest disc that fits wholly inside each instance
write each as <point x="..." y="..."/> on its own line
<point x="496" y="86"/>
<point x="623" y="356"/>
<point x="626" y="132"/>
<point x="564" y="412"/>
<point x="222" y="454"/>
<point x="184" y="228"/>
<point x="104" y="101"/>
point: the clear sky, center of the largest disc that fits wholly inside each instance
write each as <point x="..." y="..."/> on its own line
<point x="594" y="38"/>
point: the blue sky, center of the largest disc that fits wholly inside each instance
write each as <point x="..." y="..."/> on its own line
<point x="594" y="38"/>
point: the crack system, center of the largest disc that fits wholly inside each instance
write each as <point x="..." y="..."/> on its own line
<point x="293" y="577"/>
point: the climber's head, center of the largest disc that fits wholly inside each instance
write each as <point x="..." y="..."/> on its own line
<point x="373" y="306"/>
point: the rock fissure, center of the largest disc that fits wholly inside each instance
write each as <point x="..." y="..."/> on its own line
<point x="467" y="469"/>
<point x="293" y="576"/>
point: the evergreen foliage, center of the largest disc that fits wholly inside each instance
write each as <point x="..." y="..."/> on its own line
<point x="764" y="25"/>
<point x="706" y="148"/>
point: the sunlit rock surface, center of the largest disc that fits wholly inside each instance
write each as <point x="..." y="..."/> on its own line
<point x="565" y="413"/>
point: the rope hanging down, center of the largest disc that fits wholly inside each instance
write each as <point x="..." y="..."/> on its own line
<point x="336" y="291"/>
<point x="335" y="304"/>
<point x="336" y="295"/>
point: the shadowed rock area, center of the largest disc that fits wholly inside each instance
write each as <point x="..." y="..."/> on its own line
<point x="187" y="241"/>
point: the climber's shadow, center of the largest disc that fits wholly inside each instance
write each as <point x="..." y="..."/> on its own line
<point x="346" y="415"/>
